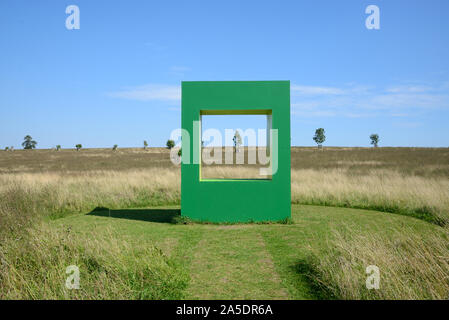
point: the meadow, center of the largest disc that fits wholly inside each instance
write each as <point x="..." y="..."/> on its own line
<point x="115" y="214"/>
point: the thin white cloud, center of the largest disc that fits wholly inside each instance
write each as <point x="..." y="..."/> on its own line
<point x="178" y="71"/>
<point x="398" y="115"/>
<point x="311" y="90"/>
<point x="425" y="101"/>
<point x="149" y="92"/>
<point x="350" y="101"/>
<point x="313" y="113"/>
<point x="409" y="89"/>
<point x="354" y="101"/>
<point x="408" y="125"/>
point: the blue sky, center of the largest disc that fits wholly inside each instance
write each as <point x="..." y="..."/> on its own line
<point x="117" y="79"/>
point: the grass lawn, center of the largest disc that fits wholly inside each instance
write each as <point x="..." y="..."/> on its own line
<point x="243" y="261"/>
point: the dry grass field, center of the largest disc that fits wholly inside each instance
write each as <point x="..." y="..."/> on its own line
<point x="40" y="189"/>
<point x="410" y="181"/>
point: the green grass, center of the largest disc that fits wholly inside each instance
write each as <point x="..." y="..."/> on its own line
<point x="243" y="261"/>
<point x="140" y="250"/>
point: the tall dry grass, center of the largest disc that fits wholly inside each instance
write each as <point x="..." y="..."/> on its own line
<point x="60" y="193"/>
<point x="34" y="267"/>
<point x="412" y="181"/>
<point x="56" y="194"/>
<point x="411" y="266"/>
<point x="33" y="257"/>
<point x="380" y="189"/>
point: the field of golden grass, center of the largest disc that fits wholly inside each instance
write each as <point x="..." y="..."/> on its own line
<point x="408" y="181"/>
<point x="38" y="185"/>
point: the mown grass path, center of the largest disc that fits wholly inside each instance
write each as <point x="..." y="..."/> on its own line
<point x="243" y="261"/>
<point x="232" y="262"/>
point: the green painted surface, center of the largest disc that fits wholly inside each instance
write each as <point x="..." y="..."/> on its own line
<point x="235" y="200"/>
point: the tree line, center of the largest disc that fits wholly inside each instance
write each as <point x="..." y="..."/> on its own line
<point x="319" y="138"/>
<point x="29" y="144"/>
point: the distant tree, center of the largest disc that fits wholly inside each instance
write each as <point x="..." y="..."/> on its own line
<point x="29" y="143"/>
<point x="145" y="144"/>
<point x="374" y="139"/>
<point x="237" y="139"/>
<point x="114" y="147"/>
<point x="180" y="152"/>
<point x="58" y="147"/>
<point x="170" y="144"/>
<point x="78" y="146"/>
<point x="319" y="137"/>
<point x="6" y="148"/>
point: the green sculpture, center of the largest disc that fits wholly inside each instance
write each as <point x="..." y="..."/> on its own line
<point x="236" y="200"/>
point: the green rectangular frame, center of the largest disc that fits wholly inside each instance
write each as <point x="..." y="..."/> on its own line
<point x="236" y="200"/>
